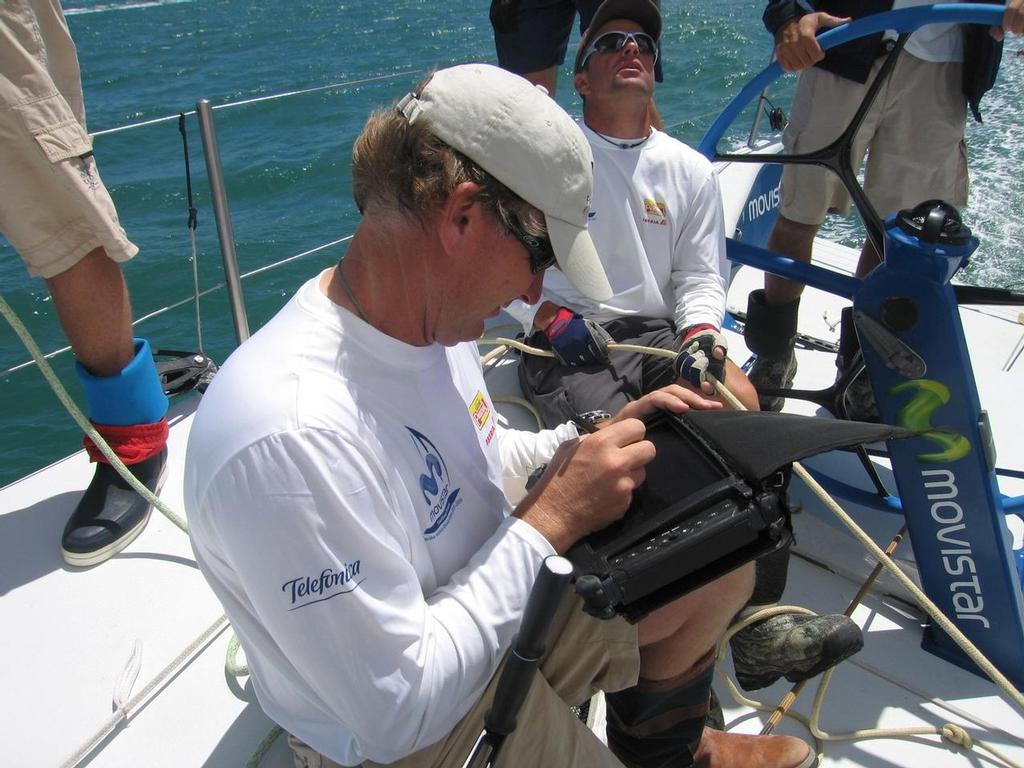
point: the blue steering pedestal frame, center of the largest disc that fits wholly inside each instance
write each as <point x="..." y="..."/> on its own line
<point x="909" y="326"/>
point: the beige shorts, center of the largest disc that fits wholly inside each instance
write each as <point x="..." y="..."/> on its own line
<point x="54" y="208"/>
<point x="585" y="655"/>
<point x="913" y="136"/>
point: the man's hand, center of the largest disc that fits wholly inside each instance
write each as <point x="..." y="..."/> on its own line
<point x="576" y="340"/>
<point x="796" y="42"/>
<point x="588" y="484"/>
<point x="1013" y="20"/>
<point x="672" y="398"/>
<point x="702" y="354"/>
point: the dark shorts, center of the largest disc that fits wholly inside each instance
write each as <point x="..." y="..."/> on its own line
<point x="541" y="38"/>
<point x="561" y="392"/>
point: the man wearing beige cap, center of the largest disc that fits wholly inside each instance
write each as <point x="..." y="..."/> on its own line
<point x="349" y="512"/>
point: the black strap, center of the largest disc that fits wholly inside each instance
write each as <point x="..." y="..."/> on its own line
<point x="192" y="213"/>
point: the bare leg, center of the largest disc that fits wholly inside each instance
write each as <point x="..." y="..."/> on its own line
<point x="794" y="240"/>
<point x="94" y="310"/>
<point x="662" y="720"/>
<point x="546" y="77"/>
<point x="677" y="636"/>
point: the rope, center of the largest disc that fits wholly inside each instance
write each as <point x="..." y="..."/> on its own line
<point x="264" y="746"/>
<point x="231" y="664"/>
<point x="127" y="710"/>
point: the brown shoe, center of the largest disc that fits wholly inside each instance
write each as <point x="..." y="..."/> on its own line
<point x="718" y="749"/>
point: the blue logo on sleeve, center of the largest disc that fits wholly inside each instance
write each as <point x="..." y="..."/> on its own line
<point x="435" y="485"/>
<point x="329" y="583"/>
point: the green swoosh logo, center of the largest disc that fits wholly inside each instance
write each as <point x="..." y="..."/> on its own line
<point x="916" y="415"/>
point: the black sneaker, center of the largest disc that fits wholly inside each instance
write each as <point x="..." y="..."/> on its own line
<point x="772" y="373"/>
<point x="110" y="513"/>
<point x="793" y="646"/>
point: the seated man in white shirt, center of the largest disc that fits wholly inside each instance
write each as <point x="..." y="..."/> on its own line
<point x="349" y="511"/>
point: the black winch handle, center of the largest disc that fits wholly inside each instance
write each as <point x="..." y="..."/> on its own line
<point x="525" y="656"/>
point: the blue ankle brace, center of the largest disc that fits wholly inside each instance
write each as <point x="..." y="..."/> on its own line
<point x="133" y="396"/>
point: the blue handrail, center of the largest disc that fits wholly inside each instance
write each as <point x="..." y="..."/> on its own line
<point x="903" y="20"/>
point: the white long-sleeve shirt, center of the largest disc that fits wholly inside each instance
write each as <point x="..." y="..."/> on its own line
<point x="344" y="495"/>
<point x="656" y="220"/>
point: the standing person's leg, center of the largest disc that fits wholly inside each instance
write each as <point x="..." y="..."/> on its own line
<point x="903" y="171"/>
<point x="63" y="224"/>
<point x="822" y="108"/>
<point x="91" y="299"/>
<point x="531" y="37"/>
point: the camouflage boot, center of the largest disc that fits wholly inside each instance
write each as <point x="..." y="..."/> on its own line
<point x="793" y="646"/>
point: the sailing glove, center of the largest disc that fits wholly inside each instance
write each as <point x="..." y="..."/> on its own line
<point x="697" y="359"/>
<point x="576" y="340"/>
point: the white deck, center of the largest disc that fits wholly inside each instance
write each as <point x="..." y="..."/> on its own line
<point x="67" y="634"/>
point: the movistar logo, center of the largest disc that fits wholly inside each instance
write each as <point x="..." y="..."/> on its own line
<point x="435" y="485"/>
<point x="916" y="415"/>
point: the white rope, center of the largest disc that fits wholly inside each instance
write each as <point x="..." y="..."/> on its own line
<point x="127" y="711"/>
<point x="126" y="681"/>
<point x="1017" y="348"/>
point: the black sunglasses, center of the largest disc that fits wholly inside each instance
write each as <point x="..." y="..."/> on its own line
<point x="616" y="41"/>
<point x="541" y="254"/>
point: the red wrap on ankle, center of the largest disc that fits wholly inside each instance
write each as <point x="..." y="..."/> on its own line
<point x="132" y="444"/>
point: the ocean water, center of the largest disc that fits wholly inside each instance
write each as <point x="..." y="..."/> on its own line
<point x="286" y="160"/>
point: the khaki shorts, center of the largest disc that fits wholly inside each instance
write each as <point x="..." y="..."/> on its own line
<point x="54" y="208"/>
<point x="913" y="136"/>
<point x="585" y="655"/>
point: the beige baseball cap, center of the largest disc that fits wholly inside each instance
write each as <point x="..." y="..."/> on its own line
<point x="518" y="134"/>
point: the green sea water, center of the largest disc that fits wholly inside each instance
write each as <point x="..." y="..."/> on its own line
<point x="286" y="160"/>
